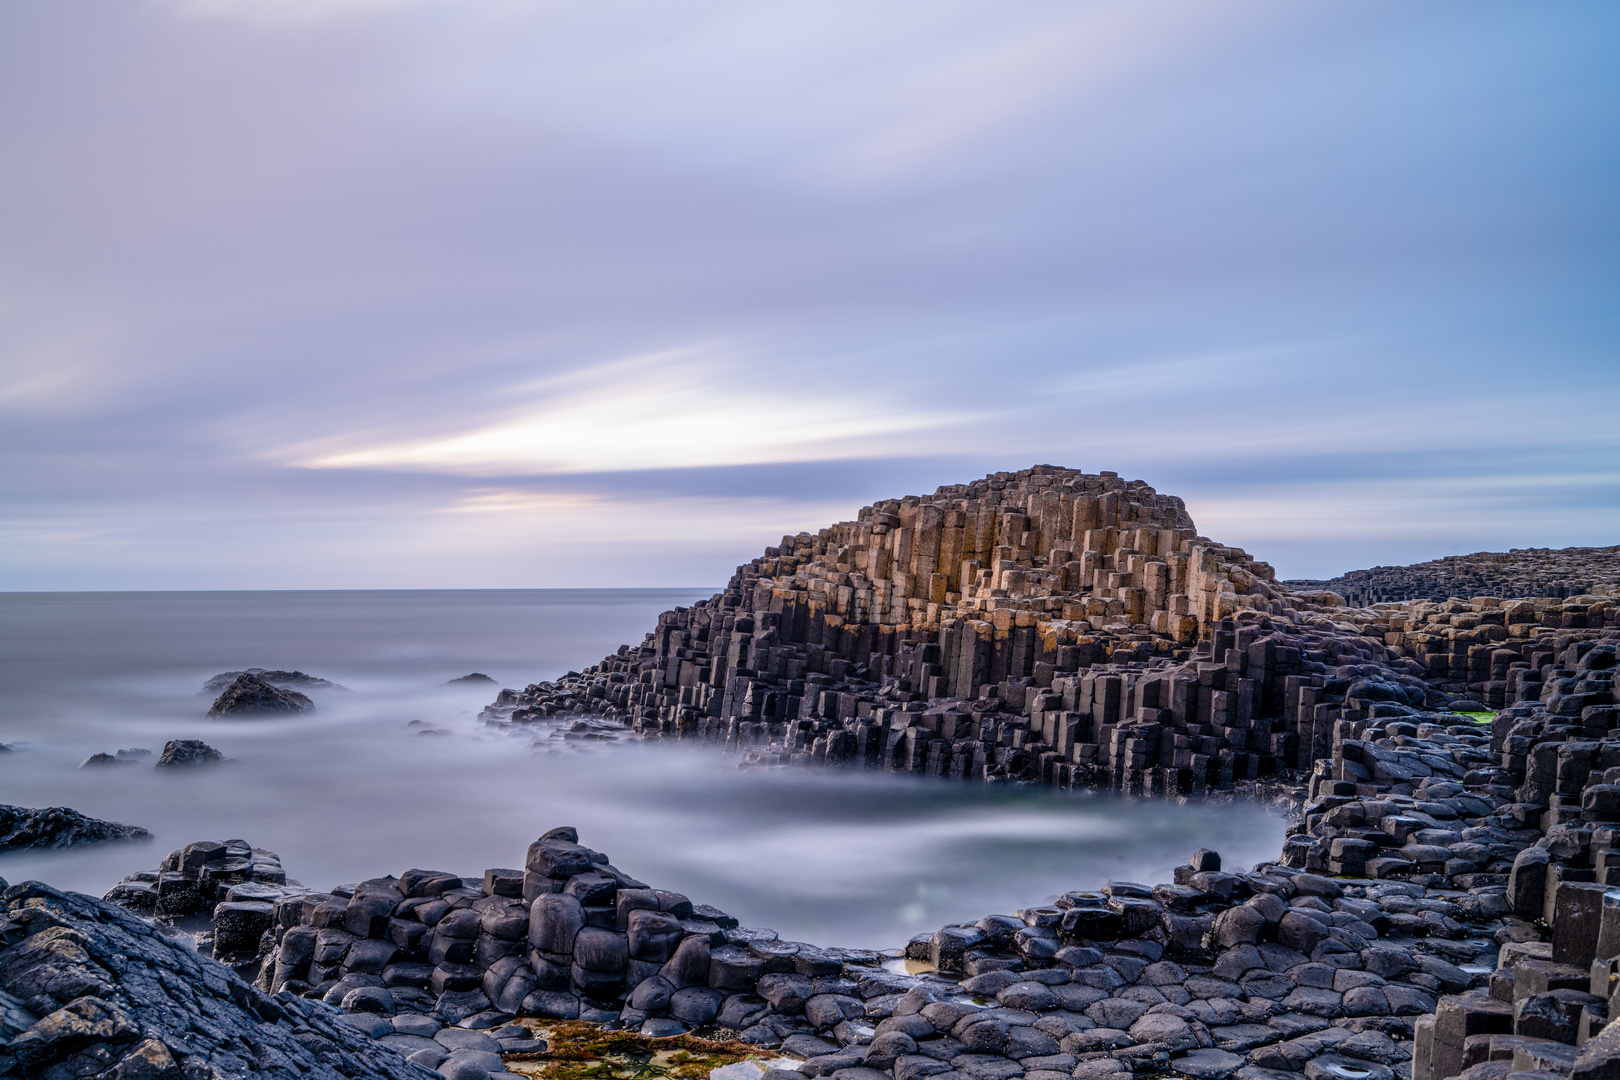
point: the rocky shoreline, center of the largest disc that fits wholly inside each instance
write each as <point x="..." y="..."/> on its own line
<point x="1441" y="905"/>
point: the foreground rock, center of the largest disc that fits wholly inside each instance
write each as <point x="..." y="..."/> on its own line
<point x="22" y="828"/>
<point x="250" y="696"/>
<point x="87" y="989"/>
<point x="286" y="680"/>
<point x="1445" y="901"/>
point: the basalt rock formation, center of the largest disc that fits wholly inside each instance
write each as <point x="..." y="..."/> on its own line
<point x="249" y="695"/>
<point x="1522" y="572"/>
<point x="476" y="677"/>
<point x="183" y="753"/>
<point x="89" y="990"/>
<point x="1470" y="922"/>
<point x="1047" y="626"/>
<point x="22" y="828"/>
<point x="287" y="680"/>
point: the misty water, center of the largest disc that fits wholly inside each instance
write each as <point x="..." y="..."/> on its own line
<point x="355" y="791"/>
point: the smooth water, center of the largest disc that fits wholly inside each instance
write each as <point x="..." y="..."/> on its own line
<point x="355" y="791"/>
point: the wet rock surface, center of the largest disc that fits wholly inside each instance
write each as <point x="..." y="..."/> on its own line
<point x="250" y="696"/>
<point x="87" y="989"/>
<point x="23" y="828"/>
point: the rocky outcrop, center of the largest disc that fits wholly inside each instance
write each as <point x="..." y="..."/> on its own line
<point x="1522" y="572"/>
<point x="87" y="989"/>
<point x="250" y="696"/>
<point x="287" y="680"/>
<point x="1443" y="901"/>
<point x="187" y="753"/>
<point x="1049" y="627"/>
<point x="122" y="757"/>
<point x="475" y="678"/>
<point x="23" y="828"/>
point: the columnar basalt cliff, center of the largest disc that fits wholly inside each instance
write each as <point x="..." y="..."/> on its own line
<point x="1046" y="626"/>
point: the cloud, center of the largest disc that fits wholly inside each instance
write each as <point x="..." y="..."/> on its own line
<point x="683" y="408"/>
<point x="428" y="292"/>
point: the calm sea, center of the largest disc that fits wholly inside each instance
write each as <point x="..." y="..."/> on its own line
<point x="355" y="791"/>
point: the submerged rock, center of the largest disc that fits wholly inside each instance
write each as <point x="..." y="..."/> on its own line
<point x="178" y="752"/>
<point x="475" y="677"/>
<point x="285" y="679"/>
<point x="249" y="695"/>
<point x="122" y="757"/>
<point x="58" y="827"/>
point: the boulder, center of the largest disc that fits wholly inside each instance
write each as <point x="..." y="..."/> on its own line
<point x="59" y="827"/>
<point x="249" y="695"/>
<point x="182" y="752"/>
<point x="286" y="680"/>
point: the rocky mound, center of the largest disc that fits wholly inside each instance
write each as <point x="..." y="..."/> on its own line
<point x="1051" y="627"/>
<point x="1522" y="572"/>
<point x="122" y="757"/>
<point x="59" y="827"/>
<point x="475" y="677"/>
<point x="179" y="753"/>
<point x="287" y="680"/>
<point x="249" y="695"/>
<point x="87" y="989"/>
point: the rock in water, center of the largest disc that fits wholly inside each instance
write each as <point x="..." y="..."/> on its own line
<point x="88" y="989"/>
<point x="187" y="752"/>
<point x="475" y="677"/>
<point x="58" y="827"/>
<point x="249" y="695"/>
<point x="287" y="680"/>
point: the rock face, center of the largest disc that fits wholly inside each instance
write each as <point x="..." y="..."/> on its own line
<point x="87" y="989"/>
<point x="1046" y="626"/>
<point x="59" y="827"/>
<point x="250" y="696"/>
<point x="1519" y="573"/>
<point x="179" y="753"/>
<point x="287" y="680"/>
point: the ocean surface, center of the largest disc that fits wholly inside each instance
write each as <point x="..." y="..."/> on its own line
<point x="357" y="789"/>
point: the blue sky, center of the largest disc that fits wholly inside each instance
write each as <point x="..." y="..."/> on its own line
<point x="411" y="293"/>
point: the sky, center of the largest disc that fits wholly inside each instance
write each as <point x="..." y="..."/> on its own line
<point x="488" y="293"/>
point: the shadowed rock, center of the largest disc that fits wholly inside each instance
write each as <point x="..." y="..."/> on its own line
<point x="286" y="680"/>
<point x="250" y="695"/>
<point x="88" y="989"/>
<point x="59" y="827"/>
<point x="178" y="752"/>
<point x="475" y="677"/>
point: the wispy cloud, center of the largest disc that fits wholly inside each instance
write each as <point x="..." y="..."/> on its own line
<point x="683" y="408"/>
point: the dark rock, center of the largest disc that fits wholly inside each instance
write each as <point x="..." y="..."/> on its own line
<point x="475" y="678"/>
<point x="184" y="752"/>
<point x="114" y="996"/>
<point x="59" y="827"/>
<point x="249" y="695"/>
<point x="286" y="680"/>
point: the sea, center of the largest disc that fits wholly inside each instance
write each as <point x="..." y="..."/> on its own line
<point x="395" y="770"/>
